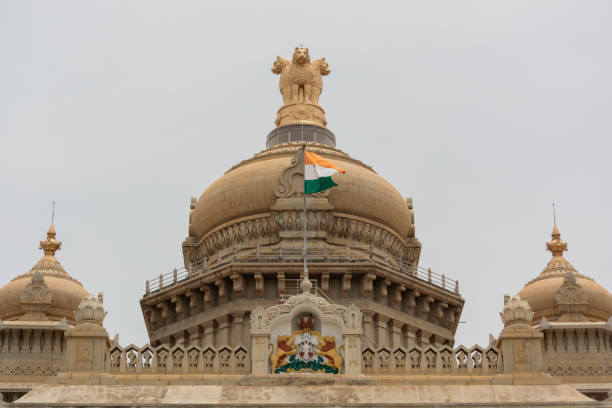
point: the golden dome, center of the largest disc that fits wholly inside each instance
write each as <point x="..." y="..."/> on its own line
<point x="248" y="189"/>
<point x="66" y="291"/>
<point x="546" y="293"/>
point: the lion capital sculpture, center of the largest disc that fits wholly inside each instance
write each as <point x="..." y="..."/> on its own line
<point x="300" y="79"/>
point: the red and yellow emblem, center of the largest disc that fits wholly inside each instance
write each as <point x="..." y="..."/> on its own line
<point x="306" y="350"/>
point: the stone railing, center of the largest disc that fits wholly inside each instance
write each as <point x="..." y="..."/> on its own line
<point x="353" y="254"/>
<point x="179" y="359"/>
<point x="583" y="349"/>
<point x="432" y="360"/>
<point x="34" y="352"/>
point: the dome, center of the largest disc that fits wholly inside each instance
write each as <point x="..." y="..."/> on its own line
<point x="248" y="189"/>
<point x="560" y="286"/>
<point x="66" y="292"/>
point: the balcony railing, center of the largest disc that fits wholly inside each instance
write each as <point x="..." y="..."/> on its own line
<point x="326" y="254"/>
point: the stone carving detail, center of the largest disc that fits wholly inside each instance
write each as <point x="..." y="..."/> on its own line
<point x="430" y="358"/>
<point x="224" y="356"/>
<point x="384" y="359"/>
<point x="301" y="85"/>
<point x="240" y="357"/>
<point x="516" y="310"/>
<point x="132" y="358"/>
<point x="415" y="359"/>
<point x="445" y="358"/>
<point x="492" y="357"/>
<point x="245" y="231"/>
<point x="177" y="358"/>
<point x="90" y="310"/>
<point x="35" y="299"/>
<point x="260" y="318"/>
<point x="442" y="360"/>
<point x="291" y="182"/>
<point x="161" y="360"/>
<point x="146" y="358"/>
<point x="368" y="361"/>
<point x="579" y="370"/>
<point x="31" y="370"/>
<point x="193" y="356"/>
<point x="209" y="359"/>
<point x="291" y="178"/>
<point x="115" y="356"/>
<point x="264" y="231"/>
<point x="572" y="300"/>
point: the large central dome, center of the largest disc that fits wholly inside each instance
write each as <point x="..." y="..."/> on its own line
<point x="249" y="190"/>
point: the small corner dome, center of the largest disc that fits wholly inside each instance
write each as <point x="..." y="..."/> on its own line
<point x="542" y="292"/>
<point x="66" y="291"/>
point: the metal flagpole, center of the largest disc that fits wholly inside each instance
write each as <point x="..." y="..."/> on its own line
<point x="304" y="215"/>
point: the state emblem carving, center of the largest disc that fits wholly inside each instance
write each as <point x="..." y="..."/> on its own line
<point x="306" y="350"/>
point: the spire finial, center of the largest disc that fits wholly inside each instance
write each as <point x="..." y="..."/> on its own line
<point x="52" y="212"/>
<point x="555" y="233"/>
<point x="556" y="246"/>
<point x="50" y="245"/>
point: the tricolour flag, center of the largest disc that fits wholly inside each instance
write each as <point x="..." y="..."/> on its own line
<point x="318" y="173"/>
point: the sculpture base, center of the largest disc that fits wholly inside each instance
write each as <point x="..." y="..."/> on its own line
<point x="299" y="113"/>
<point x="300" y="132"/>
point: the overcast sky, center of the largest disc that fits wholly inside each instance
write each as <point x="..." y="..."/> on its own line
<point x="484" y="112"/>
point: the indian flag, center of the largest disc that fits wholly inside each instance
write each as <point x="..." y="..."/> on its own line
<point x="318" y="173"/>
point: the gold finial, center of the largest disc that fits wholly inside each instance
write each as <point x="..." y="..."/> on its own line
<point x="556" y="246"/>
<point x="50" y="245"/>
<point x="300" y="84"/>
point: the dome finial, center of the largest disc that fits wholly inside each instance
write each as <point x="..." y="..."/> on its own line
<point x="50" y="245"/>
<point x="556" y="246"/>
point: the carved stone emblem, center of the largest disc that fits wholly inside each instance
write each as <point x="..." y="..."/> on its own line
<point x="36" y="299"/>
<point x="301" y="84"/>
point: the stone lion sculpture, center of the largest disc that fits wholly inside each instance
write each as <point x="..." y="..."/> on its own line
<point x="300" y="79"/>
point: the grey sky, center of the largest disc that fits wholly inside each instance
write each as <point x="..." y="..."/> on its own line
<point x="484" y="112"/>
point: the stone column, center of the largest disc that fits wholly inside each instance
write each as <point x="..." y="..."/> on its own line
<point x="382" y="330"/>
<point x="209" y="333"/>
<point x="520" y="344"/>
<point x="223" y="332"/>
<point x="368" y="325"/>
<point x="87" y="343"/>
<point x="352" y="336"/>
<point x="236" y="331"/>
<point x="396" y="333"/>
<point x="260" y="337"/>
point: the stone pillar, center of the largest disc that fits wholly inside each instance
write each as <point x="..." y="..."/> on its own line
<point x="409" y="339"/>
<point x="87" y="343"/>
<point x="396" y="334"/>
<point x="223" y="332"/>
<point x="352" y="336"/>
<point x="382" y="330"/>
<point x="520" y="344"/>
<point x="209" y="333"/>
<point x="260" y="337"/>
<point x="368" y="326"/>
<point x="236" y="332"/>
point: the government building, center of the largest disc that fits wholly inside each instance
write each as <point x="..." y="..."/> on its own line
<point x="294" y="299"/>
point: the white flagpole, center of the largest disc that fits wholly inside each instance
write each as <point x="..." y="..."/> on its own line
<point x="304" y="215"/>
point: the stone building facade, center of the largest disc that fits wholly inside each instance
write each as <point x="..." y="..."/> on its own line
<point x="245" y="321"/>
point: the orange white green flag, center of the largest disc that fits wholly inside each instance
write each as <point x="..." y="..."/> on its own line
<point x="318" y="173"/>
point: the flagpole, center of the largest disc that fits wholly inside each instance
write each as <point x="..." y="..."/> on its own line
<point x="304" y="214"/>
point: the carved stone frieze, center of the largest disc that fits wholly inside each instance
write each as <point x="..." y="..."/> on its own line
<point x="572" y="300"/>
<point x="35" y="299"/>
